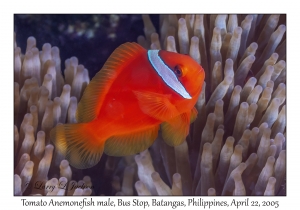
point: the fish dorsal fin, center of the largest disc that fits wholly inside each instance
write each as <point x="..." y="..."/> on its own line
<point x="92" y="99"/>
<point x="132" y="143"/>
<point x="175" y="131"/>
<point x="194" y="114"/>
<point x="156" y="105"/>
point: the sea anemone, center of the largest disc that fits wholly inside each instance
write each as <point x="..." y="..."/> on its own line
<point x="42" y="99"/>
<point x="236" y="146"/>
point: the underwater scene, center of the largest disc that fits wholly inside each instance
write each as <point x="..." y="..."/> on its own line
<point x="172" y="104"/>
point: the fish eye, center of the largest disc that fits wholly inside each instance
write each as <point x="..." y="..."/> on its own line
<point x="178" y="71"/>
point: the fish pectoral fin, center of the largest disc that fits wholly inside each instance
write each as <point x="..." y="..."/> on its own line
<point x="132" y="143"/>
<point x="175" y="131"/>
<point x="79" y="146"/>
<point x="194" y="114"/>
<point x="156" y="105"/>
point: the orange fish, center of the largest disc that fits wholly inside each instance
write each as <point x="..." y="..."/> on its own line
<point x="136" y="93"/>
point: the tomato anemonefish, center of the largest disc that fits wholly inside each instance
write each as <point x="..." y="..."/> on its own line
<point x="136" y="93"/>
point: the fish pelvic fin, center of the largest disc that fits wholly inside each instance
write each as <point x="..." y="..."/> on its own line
<point x="175" y="131"/>
<point x="78" y="143"/>
<point x="194" y="114"/>
<point x="132" y="143"/>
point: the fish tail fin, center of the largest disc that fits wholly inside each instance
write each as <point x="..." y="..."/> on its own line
<point x="78" y="143"/>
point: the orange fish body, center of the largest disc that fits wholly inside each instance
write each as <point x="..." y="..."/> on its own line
<point x="136" y="93"/>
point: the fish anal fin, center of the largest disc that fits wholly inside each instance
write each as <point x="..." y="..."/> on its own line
<point x="78" y="144"/>
<point x="129" y="144"/>
<point x="92" y="99"/>
<point x="156" y="105"/>
<point x="175" y="131"/>
<point x="194" y="114"/>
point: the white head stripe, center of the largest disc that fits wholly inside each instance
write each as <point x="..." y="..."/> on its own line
<point x="166" y="74"/>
